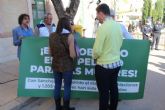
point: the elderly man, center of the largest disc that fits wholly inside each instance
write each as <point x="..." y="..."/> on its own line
<point x="46" y="28"/>
<point x="125" y="33"/>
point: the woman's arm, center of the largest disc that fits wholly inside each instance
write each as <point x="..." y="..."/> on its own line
<point x="72" y="50"/>
<point x="16" y="39"/>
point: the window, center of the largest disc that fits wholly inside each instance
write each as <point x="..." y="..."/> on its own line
<point x="38" y="8"/>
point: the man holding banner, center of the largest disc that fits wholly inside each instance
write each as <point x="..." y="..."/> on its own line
<point x="106" y="51"/>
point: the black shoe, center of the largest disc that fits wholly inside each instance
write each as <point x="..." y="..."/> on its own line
<point x="67" y="105"/>
<point x="72" y="108"/>
<point x="109" y="108"/>
<point x="58" y="104"/>
<point x="119" y="100"/>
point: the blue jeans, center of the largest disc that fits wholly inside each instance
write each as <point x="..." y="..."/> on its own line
<point x="67" y="76"/>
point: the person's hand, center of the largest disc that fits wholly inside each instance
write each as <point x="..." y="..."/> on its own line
<point x="148" y="34"/>
<point x="95" y="61"/>
<point x="21" y="37"/>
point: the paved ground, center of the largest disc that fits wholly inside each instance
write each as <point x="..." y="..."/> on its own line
<point x="7" y="51"/>
<point x="154" y="98"/>
<point x="8" y="76"/>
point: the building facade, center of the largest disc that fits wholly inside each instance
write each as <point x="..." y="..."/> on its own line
<point x="11" y="9"/>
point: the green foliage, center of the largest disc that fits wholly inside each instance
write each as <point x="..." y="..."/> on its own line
<point x="158" y="12"/>
<point x="164" y="12"/>
<point x="147" y="7"/>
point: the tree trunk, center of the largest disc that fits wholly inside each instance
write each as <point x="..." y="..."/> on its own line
<point x="71" y="10"/>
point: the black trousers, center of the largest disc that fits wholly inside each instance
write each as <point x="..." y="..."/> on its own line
<point x="106" y="80"/>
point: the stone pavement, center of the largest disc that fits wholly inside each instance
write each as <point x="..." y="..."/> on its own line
<point x="154" y="97"/>
<point x="7" y="50"/>
<point x="9" y="76"/>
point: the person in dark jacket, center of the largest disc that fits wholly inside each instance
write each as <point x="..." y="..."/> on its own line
<point x="146" y="31"/>
<point x="156" y="35"/>
<point x="63" y="52"/>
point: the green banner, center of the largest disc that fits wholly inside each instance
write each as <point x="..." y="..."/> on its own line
<point x="36" y="76"/>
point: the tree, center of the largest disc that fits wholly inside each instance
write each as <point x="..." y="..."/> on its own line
<point x="164" y="13"/>
<point x="158" y="11"/>
<point x="147" y="6"/>
<point x="71" y="10"/>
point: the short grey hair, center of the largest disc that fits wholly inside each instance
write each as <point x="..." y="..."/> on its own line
<point x="46" y="15"/>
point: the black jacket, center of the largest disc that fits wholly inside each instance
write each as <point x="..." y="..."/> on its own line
<point x="157" y="28"/>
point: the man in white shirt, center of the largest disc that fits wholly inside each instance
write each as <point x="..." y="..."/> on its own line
<point x="46" y="28"/>
<point x="125" y="32"/>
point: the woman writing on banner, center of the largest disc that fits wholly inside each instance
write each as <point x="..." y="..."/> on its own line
<point x="63" y="52"/>
<point x="23" y="30"/>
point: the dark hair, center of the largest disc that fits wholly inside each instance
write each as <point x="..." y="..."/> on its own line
<point x="21" y="17"/>
<point x="63" y="23"/>
<point x="104" y="8"/>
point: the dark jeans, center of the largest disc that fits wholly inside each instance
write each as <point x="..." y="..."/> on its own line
<point x="156" y="39"/>
<point x="106" y="80"/>
<point x="67" y="76"/>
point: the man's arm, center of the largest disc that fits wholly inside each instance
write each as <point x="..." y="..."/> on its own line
<point x="99" y="42"/>
<point x="125" y="33"/>
<point x="71" y="46"/>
